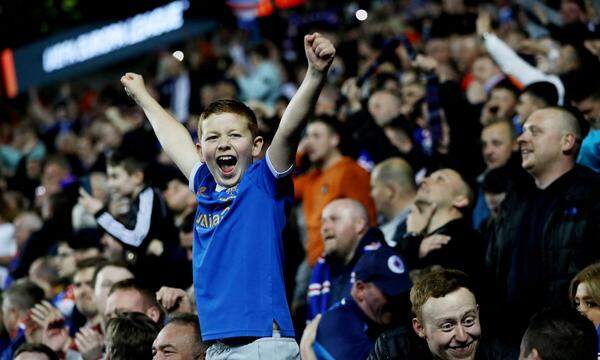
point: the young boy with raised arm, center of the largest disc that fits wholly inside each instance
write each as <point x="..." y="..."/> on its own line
<point x="242" y="210"/>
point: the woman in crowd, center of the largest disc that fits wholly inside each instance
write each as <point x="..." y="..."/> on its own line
<point x="585" y="294"/>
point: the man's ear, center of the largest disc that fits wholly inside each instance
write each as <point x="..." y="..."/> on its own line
<point x="460" y="201"/>
<point x="153" y="313"/>
<point x="418" y="328"/>
<point x="514" y="145"/>
<point x="138" y="177"/>
<point x="334" y="140"/>
<point x="199" y="151"/>
<point x="359" y="290"/>
<point x="360" y="226"/>
<point x="568" y="142"/>
<point x="257" y="145"/>
<point x="534" y="355"/>
<point x="390" y="190"/>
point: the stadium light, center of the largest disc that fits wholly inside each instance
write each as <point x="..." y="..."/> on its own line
<point x="361" y="14"/>
<point x="178" y="55"/>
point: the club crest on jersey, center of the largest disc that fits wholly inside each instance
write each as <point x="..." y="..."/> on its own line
<point x="228" y="194"/>
<point x="395" y="264"/>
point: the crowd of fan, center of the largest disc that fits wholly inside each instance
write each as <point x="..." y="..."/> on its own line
<point x="448" y="175"/>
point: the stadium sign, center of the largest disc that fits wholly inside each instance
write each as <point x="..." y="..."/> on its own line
<point x="88" y="48"/>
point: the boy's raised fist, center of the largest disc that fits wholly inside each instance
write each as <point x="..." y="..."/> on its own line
<point x="319" y="51"/>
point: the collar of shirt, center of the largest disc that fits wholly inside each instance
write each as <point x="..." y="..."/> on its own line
<point x="389" y="228"/>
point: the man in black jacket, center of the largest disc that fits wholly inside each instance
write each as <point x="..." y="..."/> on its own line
<point x="446" y="324"/>
<point x="438" y="233"/>
<point x="546" y="230"/>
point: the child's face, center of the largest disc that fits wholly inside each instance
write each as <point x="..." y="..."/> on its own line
<point x="227" y="147"/>
<point x="120" y="182"/>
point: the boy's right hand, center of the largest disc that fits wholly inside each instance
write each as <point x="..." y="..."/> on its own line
<point x="134" y="86"/>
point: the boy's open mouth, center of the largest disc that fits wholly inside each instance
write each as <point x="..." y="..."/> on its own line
<point x="226" y="163"/>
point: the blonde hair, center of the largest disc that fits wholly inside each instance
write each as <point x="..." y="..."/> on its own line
<point x="590" y="275"/>
<point x="233" y="107"/>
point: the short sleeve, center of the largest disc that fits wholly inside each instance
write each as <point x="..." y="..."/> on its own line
<point x="192" y="182"/>
<point x="275" y="186"/>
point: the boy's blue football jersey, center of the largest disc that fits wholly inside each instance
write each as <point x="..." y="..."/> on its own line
<point x="238" y="254"/>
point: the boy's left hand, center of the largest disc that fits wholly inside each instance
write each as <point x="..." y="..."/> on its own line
<point x="319" y="51"/>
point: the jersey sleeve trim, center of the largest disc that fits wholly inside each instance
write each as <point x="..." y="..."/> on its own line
<point x="136" y="236"/>
<point x="276" y="174"/>
<point x="192" y="177"/>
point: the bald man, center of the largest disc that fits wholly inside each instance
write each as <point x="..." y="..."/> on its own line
<point x="547" y="230"/>
<point x="393" y="190"/>
<point x="438" y="233"/>
<point x="179" y="339"/>
<point x="345" y="230"/>
<point x="384" y="106"/>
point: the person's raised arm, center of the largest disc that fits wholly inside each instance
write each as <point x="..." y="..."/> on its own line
<point x="510" y="62"/>
<point x="173" y="136"/>
<point x="320" y="53"/>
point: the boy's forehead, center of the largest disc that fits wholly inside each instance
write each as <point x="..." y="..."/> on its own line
<point x="215" y="122"/>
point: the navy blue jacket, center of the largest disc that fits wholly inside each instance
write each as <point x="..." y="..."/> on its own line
<point x="343" y="333"/>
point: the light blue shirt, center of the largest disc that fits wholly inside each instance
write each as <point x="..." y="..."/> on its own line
<point x="589" y="155"/>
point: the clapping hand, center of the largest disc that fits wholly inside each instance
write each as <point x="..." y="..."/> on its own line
<point x="52" y="323"/>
